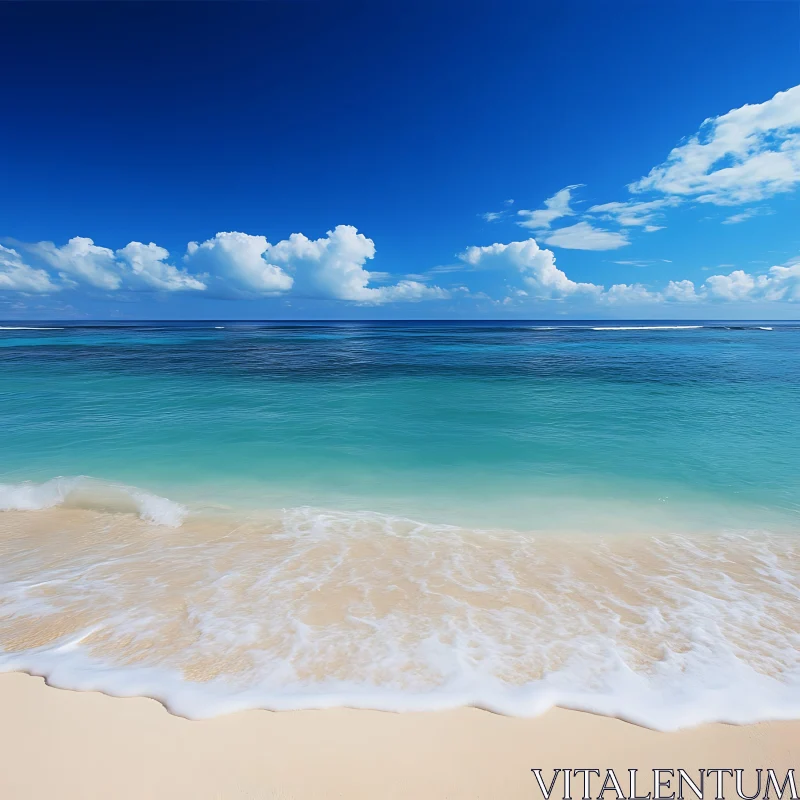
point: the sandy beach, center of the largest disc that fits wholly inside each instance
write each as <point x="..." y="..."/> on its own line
<point x="400" y="401"/>
<point x="65" y="744"/>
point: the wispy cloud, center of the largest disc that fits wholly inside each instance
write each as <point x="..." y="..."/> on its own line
<point x="555" y="207"/>
<point x="745" y="155"/>
<point x="633" y="213"/>
<point x="635" y="263"/>
<point x="584" y="236"/>
<point x="642" y="262"/>
<point x="748" y="154"/>
<point x="758" y="211"/>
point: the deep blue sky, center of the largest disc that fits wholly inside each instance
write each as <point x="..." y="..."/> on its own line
<point x="169" y="123"/>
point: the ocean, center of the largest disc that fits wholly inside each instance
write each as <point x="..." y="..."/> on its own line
<point x="406" y="515"/>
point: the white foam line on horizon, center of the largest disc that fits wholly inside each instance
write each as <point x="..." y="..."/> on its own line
<point x="650" y="328"/>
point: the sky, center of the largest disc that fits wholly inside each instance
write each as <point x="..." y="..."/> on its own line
<point x="370" y="160"/>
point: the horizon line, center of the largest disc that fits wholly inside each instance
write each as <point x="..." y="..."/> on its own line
<point x="560" y="321"/>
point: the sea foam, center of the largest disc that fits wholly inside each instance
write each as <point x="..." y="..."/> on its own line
<point x="648" y="328"/>
<point x="312" y="608"/>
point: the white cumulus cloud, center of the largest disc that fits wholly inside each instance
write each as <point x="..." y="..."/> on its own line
<point x="681" y="292"/>
<point x="628" y="293"/>
<point x="17" y="276"/>
<point x="543" y="280"/>
<point x="780" y="283"/>
<point x="147" y="264"/>
<point x="537" y="267"/>
<point x="238" y="262"/>
<point x="333" y="266"/>
<point x="135" y="266"/>
<point x="738" y="285"/>
<point x="231" y="264"/>
<point x="82" y="260"/>
<point x="329" y="267"/>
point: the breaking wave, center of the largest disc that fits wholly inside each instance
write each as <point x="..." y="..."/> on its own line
<point x="87" y="493"/>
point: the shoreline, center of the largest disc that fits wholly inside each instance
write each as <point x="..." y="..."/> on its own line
<point x="318" y="611"/>
<point x="67" y="744"/>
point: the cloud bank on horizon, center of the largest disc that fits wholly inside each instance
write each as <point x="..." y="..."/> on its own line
<point x="230" y="265"/>
<point x="741" y="158"/>
<point x="239" y="265"/>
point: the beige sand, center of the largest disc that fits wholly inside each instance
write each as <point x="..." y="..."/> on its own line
<point x="62" y="744"/>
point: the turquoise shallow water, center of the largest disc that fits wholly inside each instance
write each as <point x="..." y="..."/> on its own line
<point x="406" y="515"/>
<point x="529" y="426"/>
